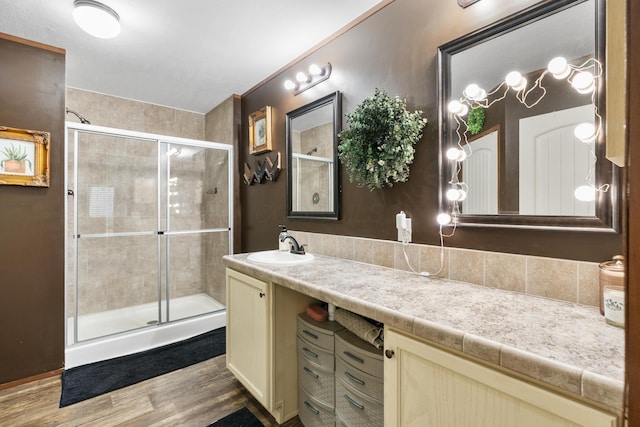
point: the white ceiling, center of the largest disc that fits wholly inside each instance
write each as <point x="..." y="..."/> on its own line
<point x="188" y="54"/>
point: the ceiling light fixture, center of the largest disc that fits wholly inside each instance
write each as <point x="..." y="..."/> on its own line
<point x="96" y="18"/>
<point x="304" y="81"/>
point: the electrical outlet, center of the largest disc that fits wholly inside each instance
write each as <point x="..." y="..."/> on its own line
<point x="404" y="234"/>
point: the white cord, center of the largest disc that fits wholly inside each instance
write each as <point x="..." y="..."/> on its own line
<point x="426" y="273"/>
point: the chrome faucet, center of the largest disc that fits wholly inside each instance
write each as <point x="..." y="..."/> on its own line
<point x="295" y="247"/>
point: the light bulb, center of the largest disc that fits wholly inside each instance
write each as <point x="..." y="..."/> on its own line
<point x="472" y="91"/>
<point x="559" y="67"/>
<point x="289" y="85"/>
<point x="302" y="77"/>
<point x="443" y="219"/>
<point x="585" y="193"/>
<point x="583" y="82"/>
<point x="515" y="80"/>
<point x="481" y="96"/>
<point x="453" y="194"/>
<point x="458" y="108"/>
<point x="456" y="154"/>
<point x="475" y="92"/>
<point x="585" y="132"/>
<point x="315" y="70"/>
<point x="456" y="194"/>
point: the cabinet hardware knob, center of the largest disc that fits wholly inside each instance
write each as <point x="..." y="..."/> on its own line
<point x="389" y="353"/>
<point x="262" y="294"/>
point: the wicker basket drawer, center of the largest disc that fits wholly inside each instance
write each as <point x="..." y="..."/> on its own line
<point x="313" y="413"/>
<point x="359" y="380"/>
<point x="356" y="409"/>
<point x="316" y="354"/>
<point x="359" y="353"/>
<point x="340" y="422"/>
<point x="318" y="382"/>
<point x="321" y="334"/>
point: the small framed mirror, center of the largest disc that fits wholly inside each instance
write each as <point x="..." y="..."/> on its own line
<point x="511" y="98"/>
<point x="312" y="157"/>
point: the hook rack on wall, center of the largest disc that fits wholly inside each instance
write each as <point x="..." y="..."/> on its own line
<point x="267" y="169"/>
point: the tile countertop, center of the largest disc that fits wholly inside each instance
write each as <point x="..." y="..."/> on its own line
<point x="568" y="346"/>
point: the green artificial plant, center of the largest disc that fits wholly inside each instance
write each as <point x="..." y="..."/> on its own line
<point x="475" y="121"/>
<point x="377" y="147"/>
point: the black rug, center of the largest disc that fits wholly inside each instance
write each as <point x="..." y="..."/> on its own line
<point x="241" y="418"/>
<point x="87" y="381"/>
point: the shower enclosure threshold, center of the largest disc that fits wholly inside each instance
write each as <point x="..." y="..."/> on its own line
<point x="199" y="313"/>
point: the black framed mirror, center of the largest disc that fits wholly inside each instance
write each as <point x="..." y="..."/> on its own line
<point x="313" y="186"/>
<point x="519" y="161"/>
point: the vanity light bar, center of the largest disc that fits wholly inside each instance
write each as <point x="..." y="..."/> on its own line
<point x="304" y="81"/>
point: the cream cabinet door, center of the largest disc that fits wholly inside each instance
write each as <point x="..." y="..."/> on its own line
<point x="249" y="333"/>
<point x="425" y="386"/>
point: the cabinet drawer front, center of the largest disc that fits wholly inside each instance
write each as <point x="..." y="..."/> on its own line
<point x="314" y="334"/>
<point x="316" y="354"/>
<point x="340" y="422"/>
<point x="359" y="354"/>
<point x="356" y="409"/>
<point x="313" y="413"/>
<point x="318" y="382"/>
<point x="359" y="380"/>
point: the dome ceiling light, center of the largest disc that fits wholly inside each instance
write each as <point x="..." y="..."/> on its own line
<point x="96" y="18"/>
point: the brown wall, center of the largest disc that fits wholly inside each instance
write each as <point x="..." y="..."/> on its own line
<point x="32" y="94"/>
<point x="395" y="49"/>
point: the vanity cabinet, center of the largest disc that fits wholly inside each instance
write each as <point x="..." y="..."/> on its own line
<point x="426" y="386"/>
<point x="261" y="341"/>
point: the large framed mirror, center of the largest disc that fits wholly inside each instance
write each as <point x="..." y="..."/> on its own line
<point x="511" y="96"/>
<point x="312" y="157"/>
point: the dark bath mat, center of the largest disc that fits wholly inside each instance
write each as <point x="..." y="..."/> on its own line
<point x="241" y="418"/>
<point x="87" y="381"/>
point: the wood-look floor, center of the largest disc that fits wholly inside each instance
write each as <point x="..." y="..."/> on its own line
<point x="194" y="396"/>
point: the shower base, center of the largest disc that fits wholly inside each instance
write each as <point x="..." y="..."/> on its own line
<point x="133" y="329"/>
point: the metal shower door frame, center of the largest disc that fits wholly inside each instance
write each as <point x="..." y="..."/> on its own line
<point x="160" y="140"/>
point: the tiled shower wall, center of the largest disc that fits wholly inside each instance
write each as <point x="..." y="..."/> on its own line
<point x="573" y="281"/>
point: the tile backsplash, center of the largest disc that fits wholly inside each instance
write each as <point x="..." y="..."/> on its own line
<point x="567" y="280"/>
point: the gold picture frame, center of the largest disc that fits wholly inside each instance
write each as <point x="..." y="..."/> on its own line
<point x="24" y="157"/>
<point x="260" y="131"/>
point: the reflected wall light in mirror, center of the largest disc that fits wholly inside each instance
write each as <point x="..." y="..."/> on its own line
<point x="304" y="81"/>
<point x="537" y="78"/>
<point x="312" y="159"/>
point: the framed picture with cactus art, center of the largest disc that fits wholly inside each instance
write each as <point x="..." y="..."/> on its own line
<point x="260" y="131"/>
<point x="24" y="157"/>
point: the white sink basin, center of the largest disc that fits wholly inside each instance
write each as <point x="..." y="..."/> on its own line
<point x="276" y="257"/>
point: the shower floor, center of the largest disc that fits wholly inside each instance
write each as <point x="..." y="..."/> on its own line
<point x="116" y="333"/>
<point x="111" y="322"/>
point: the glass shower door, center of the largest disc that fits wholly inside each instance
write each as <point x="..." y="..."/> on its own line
<point x="196" y="221"/>
<point x="148" y="221"/>
<point x="114" y="191"/>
